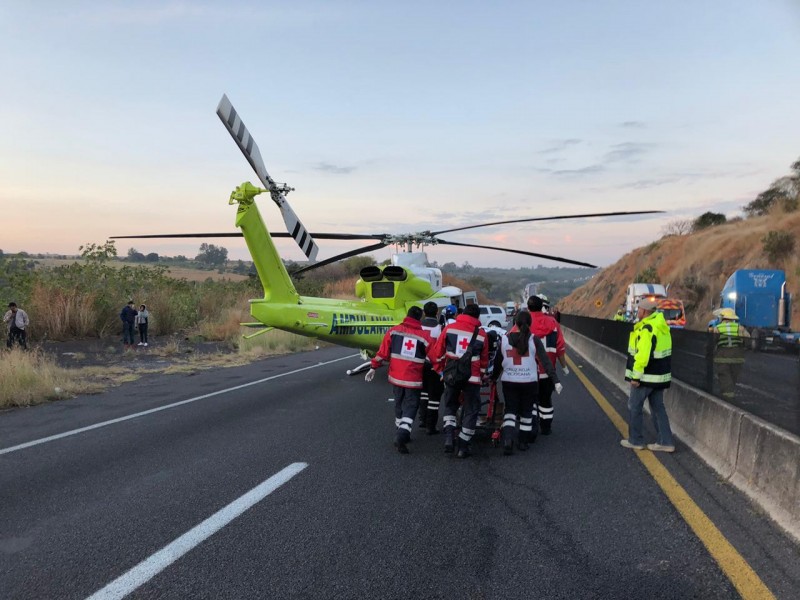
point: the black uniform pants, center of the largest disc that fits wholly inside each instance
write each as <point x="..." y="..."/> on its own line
<point x="544" y="405"/>
<point x="432" y="389"/>
<point x="405" y="407"/>
<point x="469" y="412"/>
<point x="143" y="333"/>
<point x="519" y="399"/>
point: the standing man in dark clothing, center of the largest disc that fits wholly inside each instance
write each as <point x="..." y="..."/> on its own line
<point x="18" y="321"/>
<point x="128" y="317"/>
<point x="432" y="386"/>
<point x="405" y="347"/>
<point x="450" y="346"/>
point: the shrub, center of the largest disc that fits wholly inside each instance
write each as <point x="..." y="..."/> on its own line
<point x="648" y="275"/>
<point x="708" y="219"/>
<point x="778" y="245"/>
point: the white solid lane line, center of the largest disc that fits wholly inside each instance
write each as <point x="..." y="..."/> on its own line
<point x="149" y="568"/>
<point x="58" y="436"/>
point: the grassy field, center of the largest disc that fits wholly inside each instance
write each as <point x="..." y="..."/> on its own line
<point x="188" y="273"/>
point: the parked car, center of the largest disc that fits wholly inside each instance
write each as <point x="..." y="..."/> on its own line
<point x="492" y="315"/>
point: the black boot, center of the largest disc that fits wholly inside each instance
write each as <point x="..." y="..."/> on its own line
<point x="546" y="426"/>
<point x="463" y="449"/>
<point x="432" y="416"/>
<point x="508" y="441"/>
<point x="448" y="440"/>
<point x="401" y="440"/>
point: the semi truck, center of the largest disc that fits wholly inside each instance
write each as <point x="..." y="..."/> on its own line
<point x="637" y="291"/>
<point x="760" y="300"/>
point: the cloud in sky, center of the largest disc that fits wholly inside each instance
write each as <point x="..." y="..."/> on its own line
<point x="627" y="152"/>
<point x="560" y="146"/>
<point x="335" y="169"/>
<point x="633" y="124"/>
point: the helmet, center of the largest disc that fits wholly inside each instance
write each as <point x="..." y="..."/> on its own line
<point x="728" y="313"/>
<point x="544" y="299"/>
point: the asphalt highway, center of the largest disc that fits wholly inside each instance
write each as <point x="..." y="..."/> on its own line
<point x="291" y="488"/>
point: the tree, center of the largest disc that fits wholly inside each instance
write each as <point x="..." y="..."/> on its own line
<point x="135" y="256"/>
<point x="98" y="253"/>
<point x="152" y="257"/>
<point x="764" y="201"/>
<point x="708" y="219"/>
<point x="353" y="265"/>
<point x="677" y="227"/>
<point x="212" y="255"/>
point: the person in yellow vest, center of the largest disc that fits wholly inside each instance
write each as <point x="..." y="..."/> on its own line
<point x="649" y="371"/>
<point x="729" y="352"/>
<point x="620" y="316"/>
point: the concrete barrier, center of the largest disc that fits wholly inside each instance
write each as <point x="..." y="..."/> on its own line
<point x="757" y="457"/>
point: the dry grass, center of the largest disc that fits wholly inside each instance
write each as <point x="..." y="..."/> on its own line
<point x="341" y="289"/>
<point x="275" y="342"/>
<point x="692" y="262"/>
<point x="187" y="273"/>
<point x="28" y="378"/>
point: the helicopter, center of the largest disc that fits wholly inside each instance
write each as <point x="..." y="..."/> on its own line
<point x="385" y="293"/>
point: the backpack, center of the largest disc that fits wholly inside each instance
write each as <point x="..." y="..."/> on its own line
<point x="457" y="372"/>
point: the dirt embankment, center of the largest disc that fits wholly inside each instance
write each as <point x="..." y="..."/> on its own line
<point x="695" y="266"/>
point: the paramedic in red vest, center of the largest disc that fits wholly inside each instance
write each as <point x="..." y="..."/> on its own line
<point x="548" y="330"/>
<point x="451" y="344"/>
<point x="405" y="347"/>
<point x="432" y="386"/>
<point x="517" y="365"/>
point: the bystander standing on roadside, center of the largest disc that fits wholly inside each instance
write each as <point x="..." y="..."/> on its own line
<point x="128" y="318"/>
<point x="17" y="320"/>
<point x="142" y="318"/>
<point x="649" y="370"/>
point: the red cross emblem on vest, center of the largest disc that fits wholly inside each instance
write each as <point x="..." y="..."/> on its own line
<point x="514" y="355"/>
<point x="463" y="343"/>
<point x="410" y="344"/>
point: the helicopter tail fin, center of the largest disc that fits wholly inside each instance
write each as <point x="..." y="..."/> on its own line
<point x="278" y="286"/>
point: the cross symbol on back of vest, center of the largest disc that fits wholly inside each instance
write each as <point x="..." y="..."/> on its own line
<point x="514" y="355"/>
<point x="410" y="344"/>
<point x="463" y="343"/>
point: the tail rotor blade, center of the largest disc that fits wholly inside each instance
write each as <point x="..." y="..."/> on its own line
<point x="236" y="127"/>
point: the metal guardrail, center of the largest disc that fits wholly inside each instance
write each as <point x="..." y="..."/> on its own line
<point x="768" y="384"/>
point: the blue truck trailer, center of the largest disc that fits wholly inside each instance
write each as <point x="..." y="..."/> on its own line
<point x="760" y="300"/>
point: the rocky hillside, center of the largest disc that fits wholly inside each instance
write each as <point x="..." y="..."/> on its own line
<point x="695" y="266"/>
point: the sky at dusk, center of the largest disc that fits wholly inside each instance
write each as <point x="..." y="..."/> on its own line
<point x="392" y="118"/>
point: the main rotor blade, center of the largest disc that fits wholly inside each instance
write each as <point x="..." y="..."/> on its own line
<point x="233" y="123"/>
<point x="322" y="236"/>
<point x="556" y="218"/>
<point x="525" y="252"/>
<point x="339" y="257"/>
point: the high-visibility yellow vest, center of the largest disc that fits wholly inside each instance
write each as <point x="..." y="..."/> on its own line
<point x="650" y="352"/>
<point x="729" y="335"/>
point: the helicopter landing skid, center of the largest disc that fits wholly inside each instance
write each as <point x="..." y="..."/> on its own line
<point x="359" y="369"/>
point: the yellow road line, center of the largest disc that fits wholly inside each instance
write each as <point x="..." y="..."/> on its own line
<point x="744" y="578"/>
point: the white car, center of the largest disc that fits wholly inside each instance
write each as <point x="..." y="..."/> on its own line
<point x="492" y="315"/>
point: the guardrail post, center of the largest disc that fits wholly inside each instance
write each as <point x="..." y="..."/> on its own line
<point x="710" y="363"/>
